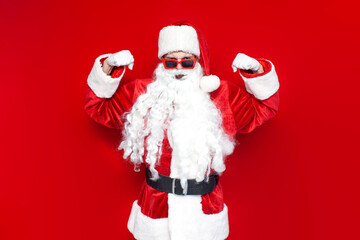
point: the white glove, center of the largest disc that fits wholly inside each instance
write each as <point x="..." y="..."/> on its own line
<point x="121" y="58"/>
<point x="245" y="62"/>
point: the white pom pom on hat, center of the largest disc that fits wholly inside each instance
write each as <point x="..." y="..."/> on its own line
<point x="209" y="83"/>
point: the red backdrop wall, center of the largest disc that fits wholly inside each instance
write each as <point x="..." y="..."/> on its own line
<point x="61" y="176"/>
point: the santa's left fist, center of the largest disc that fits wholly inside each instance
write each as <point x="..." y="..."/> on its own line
<point x="245" y="62"/>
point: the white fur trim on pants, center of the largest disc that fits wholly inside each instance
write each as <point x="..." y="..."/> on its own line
<point x="264" y="86"/>
<point x="103" y="85"/>
<point x="186" y="221"/>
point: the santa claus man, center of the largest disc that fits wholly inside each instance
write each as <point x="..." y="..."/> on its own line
<point x="181" y="125"/>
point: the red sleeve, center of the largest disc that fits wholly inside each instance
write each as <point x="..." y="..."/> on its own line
<point x="108" y="111"/>
<point x="248" y="111"/>
<point x="241" y="111"/>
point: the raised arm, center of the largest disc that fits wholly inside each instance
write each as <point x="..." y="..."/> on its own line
<point x="105" y="100"/>
<point x="259" y="101"/>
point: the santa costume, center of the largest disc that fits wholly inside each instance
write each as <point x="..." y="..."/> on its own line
<point x="181" y="130"/>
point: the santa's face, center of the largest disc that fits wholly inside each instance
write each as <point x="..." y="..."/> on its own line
<point x="179" y="72"/>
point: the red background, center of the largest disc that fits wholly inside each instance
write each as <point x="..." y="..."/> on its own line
<point x="61" y="176"/>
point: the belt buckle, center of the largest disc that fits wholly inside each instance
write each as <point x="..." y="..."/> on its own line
<point x="173" y="187"/>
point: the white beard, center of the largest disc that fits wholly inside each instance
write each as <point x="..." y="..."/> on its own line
<point x="192" y="121"/>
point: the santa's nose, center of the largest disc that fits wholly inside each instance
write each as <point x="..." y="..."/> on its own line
<point x="179" y="65"/>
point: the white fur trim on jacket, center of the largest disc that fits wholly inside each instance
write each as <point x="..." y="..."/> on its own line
<point x="186" y="221"/>
<point x="264" y="86"/>
<point x="178" y="38"/>
<point x="146" y="228"/>
<point x="103" y="85"/>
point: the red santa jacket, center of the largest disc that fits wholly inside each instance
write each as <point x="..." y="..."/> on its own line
<point x="241" y="112"/>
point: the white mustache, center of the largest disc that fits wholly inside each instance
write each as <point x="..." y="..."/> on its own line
<point x="173" y="72"/>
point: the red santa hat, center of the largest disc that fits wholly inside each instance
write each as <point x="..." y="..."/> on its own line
<point x="184" y="36"/>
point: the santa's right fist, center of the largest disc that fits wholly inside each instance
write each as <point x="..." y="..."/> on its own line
<point x="121" y="58"/>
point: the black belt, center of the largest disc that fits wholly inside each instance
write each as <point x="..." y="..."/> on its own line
<point x="172" y="185"/>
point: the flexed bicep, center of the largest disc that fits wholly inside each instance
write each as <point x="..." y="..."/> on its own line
<point x="259" y="100"/>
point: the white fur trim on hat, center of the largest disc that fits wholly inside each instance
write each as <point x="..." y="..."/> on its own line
<point x="209" y="83"/>
<point x="104" y="86"/>
<point x="178" y="38"/>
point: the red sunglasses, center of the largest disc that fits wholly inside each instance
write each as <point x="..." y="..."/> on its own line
<point x="185" y="63"/>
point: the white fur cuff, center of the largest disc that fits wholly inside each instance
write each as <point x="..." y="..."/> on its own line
<point x="264" y="86"/>
<point x="102" y="84"/>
